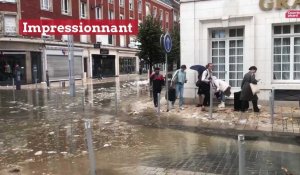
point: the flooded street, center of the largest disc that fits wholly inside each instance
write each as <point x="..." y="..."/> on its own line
<point x="46" y="132"/>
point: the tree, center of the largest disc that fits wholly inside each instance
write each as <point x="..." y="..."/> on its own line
<point x="174" y="55"/>
<point x="149" y="37"/>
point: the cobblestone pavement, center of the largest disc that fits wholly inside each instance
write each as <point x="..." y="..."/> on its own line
<point x="257" y="163"/>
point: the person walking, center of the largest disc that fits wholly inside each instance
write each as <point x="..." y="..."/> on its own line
<point x="157" y="81"/>
<point x="179" y="79"/>
<point x="204" y="88"/>
<point x="246" y="93"/>
<point x="99" y="73"/>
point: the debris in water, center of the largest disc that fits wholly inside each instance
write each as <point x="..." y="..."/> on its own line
<point x="38" y="153"/>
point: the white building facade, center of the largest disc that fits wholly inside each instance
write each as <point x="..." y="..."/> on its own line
<point x="237" y="34"/>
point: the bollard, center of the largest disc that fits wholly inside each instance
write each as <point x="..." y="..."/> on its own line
<point x="63" y="84"/>
<point x="210" y="100"/>
<point x="271" y="108"/>
<point x="158" y="103"/>
<point x="116" y="103"/>
<point x="241" y="147"/>
<point x="47" y="79"/>
<point x="90" y="147"/>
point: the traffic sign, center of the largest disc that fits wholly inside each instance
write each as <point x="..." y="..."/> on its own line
<point x="167" y="43"/>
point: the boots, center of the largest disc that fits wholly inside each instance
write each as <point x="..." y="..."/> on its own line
<point x="221" y="105"/>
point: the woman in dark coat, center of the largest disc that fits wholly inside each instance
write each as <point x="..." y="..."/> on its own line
<point x="246" y="94"/>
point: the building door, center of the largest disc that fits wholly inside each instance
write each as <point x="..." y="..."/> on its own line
<point x="106" y="63"/>
<point x="227" y="50"/>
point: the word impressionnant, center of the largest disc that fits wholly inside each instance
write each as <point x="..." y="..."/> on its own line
<point x="78" y="27"/>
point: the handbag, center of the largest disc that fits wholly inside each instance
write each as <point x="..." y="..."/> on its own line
<point x="175" y="78"/>
<point x="254" y="88"/>
<point x="198" y="83"/>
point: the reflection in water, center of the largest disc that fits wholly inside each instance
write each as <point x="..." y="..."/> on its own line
<point x="53" y="122"/>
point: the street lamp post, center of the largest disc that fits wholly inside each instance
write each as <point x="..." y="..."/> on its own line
<point x="71" y="65"/>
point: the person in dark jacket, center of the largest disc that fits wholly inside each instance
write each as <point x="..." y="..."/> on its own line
<point x="246" y="93"/>
<point x="157" y="81"/>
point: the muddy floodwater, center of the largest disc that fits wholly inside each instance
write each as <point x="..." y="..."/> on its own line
<point x="45" y="132"/>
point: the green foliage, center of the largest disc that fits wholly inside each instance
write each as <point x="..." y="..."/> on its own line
<point x="149" y="36"/>
<point x="174" y="55"/>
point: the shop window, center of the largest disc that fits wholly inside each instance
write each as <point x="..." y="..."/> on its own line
<point x="286" y="52"/>
<point x="227" y="53"/>
<point x="83" y="38"/>
<point x="127" y="65"/>
<point x="110" y="39"/>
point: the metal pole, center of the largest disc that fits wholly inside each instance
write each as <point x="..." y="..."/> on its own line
<point x="241" y="146"/>
<point x="71" y="65"/>
<point x="90" y="147"/>
<point x="210" y="100"/>
<point x="158" y="103"/>
<point x="272" y="105"/>
<point x="167" y="88"/>
<point x="13" y="81"/>
<point x="116" y="102"/>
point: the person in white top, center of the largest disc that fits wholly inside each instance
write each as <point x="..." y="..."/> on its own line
<point x="223" y="89"/>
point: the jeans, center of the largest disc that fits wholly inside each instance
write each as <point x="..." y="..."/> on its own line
<point x="179" y="93"/>
<point x="155" y="98"/>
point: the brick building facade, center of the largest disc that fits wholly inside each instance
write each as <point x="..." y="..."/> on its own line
<point x="118" y="53"/>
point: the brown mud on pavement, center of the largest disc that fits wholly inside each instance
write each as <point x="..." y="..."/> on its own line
<point x="224" y="121"/>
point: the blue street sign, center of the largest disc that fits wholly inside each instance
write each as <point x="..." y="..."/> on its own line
<point x="167" y="43"/>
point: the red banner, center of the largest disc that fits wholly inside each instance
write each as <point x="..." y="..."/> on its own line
<point x="292" y="14"/>
<point x="77" y="27"/>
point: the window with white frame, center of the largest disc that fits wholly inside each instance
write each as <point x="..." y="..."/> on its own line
<point x="286" y="52"/>
<point x="121" y="16"/>
<point x="83" y="10"/>
<point x="98" y="12"/>
<point x="64" y="37"/>
<point x="154" y="12"/>
<point x="83" y="38"/>
<point x="131" y="4"/>
<point x="140" y="5"/>
<point x="121" y="3"/>
<point x="167" y="20"/>
<point x="13" y="1"/>
<point x="66" y="7"/>
<point x="10" y="24"/>
<point x="175" y="16"/>
<point x="46" y="4"/>
<point x="110" y="39"/>
<point x="161" y="15"/>
<point x="148" y="12"/>
<point x="227" y="53"/>
<point x="111" y="14"/>
<point x="111" y="1"/>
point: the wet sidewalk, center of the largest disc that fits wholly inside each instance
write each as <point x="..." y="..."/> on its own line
<point x="226" y="121"/>
<point x="81" y="82"/>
